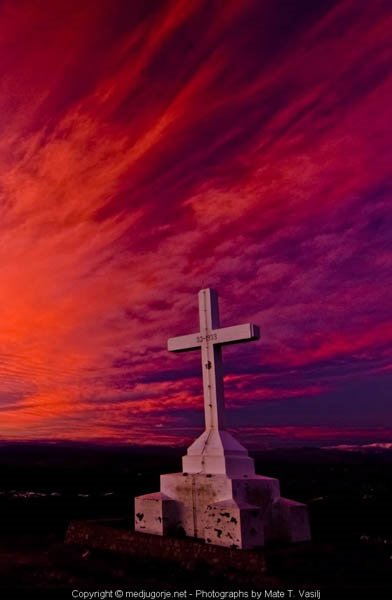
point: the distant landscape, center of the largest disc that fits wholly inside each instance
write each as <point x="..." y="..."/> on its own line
<point x="44" y="486"/>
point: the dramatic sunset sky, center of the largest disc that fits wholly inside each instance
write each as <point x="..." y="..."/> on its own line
<point x="150" y="148"/>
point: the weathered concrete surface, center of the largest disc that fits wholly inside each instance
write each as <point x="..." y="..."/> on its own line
<point x="101" y="535"/>
<point x="242" y="512"/>
<point x="155" y="513"/>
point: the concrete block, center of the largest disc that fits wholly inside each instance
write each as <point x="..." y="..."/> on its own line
<point x="155" y="513"/>
<point x="256" y="490"/>
<point x="193" y="492"/>
<point x="288" y="521"/>
<point x="233" y="524"/>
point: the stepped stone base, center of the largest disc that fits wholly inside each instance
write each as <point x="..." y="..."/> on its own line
<point x="239" y="512"/>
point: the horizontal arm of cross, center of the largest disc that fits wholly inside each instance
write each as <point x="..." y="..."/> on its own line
<point x="237" y="334"/>
<point x="223" y="336"/>
<point x="184" y="343"/>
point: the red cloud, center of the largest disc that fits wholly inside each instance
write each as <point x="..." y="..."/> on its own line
<point x="149" y="151"/>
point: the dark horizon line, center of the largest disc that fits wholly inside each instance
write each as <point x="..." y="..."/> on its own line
<point x="101" y="444"/>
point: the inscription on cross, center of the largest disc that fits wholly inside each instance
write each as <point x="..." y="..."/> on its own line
<point x="210" y="340"/>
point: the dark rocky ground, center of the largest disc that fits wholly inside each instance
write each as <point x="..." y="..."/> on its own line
<point x="43" y="487"/>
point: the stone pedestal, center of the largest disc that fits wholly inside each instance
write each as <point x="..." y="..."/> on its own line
<point x="219" y="498"/>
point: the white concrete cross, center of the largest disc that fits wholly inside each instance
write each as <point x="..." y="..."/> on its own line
<point x="210" y="339"/>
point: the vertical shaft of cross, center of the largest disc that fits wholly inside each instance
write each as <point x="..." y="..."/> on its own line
<point x="211" y="358"/>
